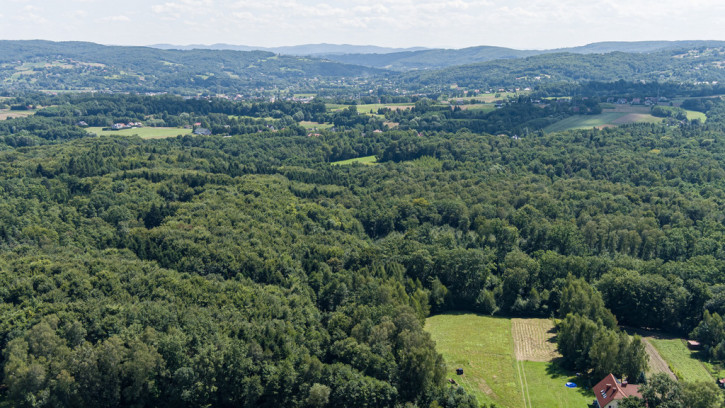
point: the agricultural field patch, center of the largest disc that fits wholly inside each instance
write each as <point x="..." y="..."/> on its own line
<point x="534" y="339"/>
<point x="367" y="160"/>
<point x="692" y="115"/>
<point x="683" y="361"/>
<point x="7" y="113"/>
<point x="545" y="386"/>
<point x="483" y="347"/>
<point x="608" y="118"/>
<point x="487" y="349"/>
<point x="315" y="125"/>
<point x="143" y="133"/>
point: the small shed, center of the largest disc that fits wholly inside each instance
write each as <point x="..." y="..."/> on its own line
<point x="693" y="344"/>
<point x="459" y="371"/>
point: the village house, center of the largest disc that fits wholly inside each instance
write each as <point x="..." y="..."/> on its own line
<point x="202" y="131"/>
<point x="609" y="392"/>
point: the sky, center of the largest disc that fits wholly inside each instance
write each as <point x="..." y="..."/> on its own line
<point x="521" y="24"/>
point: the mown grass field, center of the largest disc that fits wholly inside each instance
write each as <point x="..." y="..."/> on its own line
<point x="485" y="348"/>
<point x="682" y="361"/>
<point x="692" y="115"/>
<point x="7" y="113"/>
<point x="368" y="160"/>
<point x="486" y="107"/>
<point x="144" y="132"/>
<point x="604" y="119"/>
<point x="315" y="125"/>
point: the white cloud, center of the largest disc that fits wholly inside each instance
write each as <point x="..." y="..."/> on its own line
<point x="118" y="18"/>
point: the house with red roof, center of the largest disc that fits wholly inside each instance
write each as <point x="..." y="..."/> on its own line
<point x="609" y="392"/>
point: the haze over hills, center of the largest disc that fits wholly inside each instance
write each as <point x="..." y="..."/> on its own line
<point x="441" y="58"/>
<point x="300" y="50"/>
<point x="414" y="58"/>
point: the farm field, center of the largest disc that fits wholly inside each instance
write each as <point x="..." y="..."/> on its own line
<point x="144" y="133"/>
<point x="681" y="359"/>
<point x="610" y="117"/>
<point x="487" y="107"/>
<point x="372" y="107"/>
<point x="368" y="160"/>
<point x="486" y="348"/>
<point x="692" y="115"/>
<point x="315" y="125"/>
<point x="491" y="97"/>
<point x="7" y="113"/>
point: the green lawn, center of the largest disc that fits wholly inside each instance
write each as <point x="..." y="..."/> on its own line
<point x="484" y="347"/>
<point x="546" y="386"/>
<point x="144" y="133"/>
<point x="692" y="115"/>
<point x="682" y="361"/>
<point x="315" y="125"/>
<point x="369" y="160"/>
<point x="602" y="119"/>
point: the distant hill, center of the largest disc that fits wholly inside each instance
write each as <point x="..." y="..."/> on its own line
<point x="299" y="50"/>
<point x="689" y="66"/>
<point x="81" y="65"/>
<point x="441" y="58"/>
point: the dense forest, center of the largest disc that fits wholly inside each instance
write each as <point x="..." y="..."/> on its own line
<point x="249" y="271"/>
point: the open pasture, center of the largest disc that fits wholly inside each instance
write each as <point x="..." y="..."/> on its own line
<point x="682" y="360"/>
<point x="368" y="160"/>
<point x="487" y="347"/>
<point x="619" y="115"/>
<point x="144" y="132"/>
<point x="7" y="113"/>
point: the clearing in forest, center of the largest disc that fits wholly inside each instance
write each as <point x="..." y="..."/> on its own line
<point x="682" y="360"/>
<point x="369" y="160"/>
<point x="486" y="348"/>
<point x="143" y="132"/>
<point x="618" y="115"/>
<point x="7" y="113"/>
<point x="670" y="355"/>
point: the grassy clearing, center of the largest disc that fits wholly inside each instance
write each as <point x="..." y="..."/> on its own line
<point x="7" y="113"/>
<point x="315" y="125"/>
<point x="144" y="133"/>
<point x="692" y="115"/>
<point x="483" y="347"/>
<point x="546" y="386"/>
<point x="682" y="361"/>
<point x="605" y="119"/>
<point x="368" y="160"/>
<point x="486" y="347"/>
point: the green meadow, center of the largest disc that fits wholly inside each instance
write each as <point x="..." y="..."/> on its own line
<point x="367" y="160"/>
<point x="144" y="132"/>
<point x="484" y="347"/>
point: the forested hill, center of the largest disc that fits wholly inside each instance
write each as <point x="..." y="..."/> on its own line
<point x="81" y="65"/>
<point x="441" y="58"/>
<point x="692" y="66"/>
